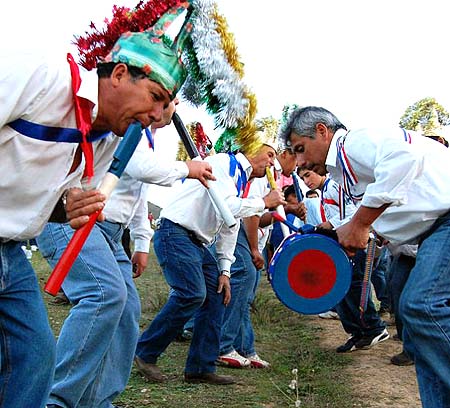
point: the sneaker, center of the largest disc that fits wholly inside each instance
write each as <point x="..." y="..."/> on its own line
<point x="366" y="342"/>
<point x="349" y="345"/>
<point x="402" y="359"/>
<point x="150" y="371"/>
<point x="329" y="315"/>
<point x="257" y="362"/>
<point x="233" y="359"/>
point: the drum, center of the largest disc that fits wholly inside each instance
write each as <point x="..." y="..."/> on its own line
<point x="310" y="273"/>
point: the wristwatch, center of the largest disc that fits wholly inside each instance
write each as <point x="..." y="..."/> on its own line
<point x="226" y="273"/>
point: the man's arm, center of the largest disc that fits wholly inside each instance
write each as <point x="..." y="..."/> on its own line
<point x="251" y="228"/>
<point x="355" y="234"/>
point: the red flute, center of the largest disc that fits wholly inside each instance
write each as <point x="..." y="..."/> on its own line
<point x="121" y="158"/>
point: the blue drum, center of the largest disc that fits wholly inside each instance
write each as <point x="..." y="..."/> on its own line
<point x="310" y="273"/>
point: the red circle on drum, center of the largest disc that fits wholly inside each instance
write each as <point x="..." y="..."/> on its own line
<point x="312" y="274"/>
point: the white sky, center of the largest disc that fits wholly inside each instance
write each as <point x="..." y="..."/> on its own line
<point x="366" y="61"/>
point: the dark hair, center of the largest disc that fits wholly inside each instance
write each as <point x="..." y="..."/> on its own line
<point x="105" y="69"/>
<point x="309" y="193"/>
<point x="289" y="191"/>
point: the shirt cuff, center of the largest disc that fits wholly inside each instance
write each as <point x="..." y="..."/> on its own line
<point x="225" y="264"/>
<point x="142" y="245"/>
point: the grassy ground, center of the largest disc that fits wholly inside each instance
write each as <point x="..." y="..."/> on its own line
<point x="283" y="337"/>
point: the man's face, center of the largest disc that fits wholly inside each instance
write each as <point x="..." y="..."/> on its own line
<point x="128" y="100"/>
<point x="312" y="153"/>
<point x="264" y="158"/>
<point x="287" y="161"/>
<point x="166" y="115"/>
<point x="311" y="179"/>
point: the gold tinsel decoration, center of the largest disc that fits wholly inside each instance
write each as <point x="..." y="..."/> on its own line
<point x="246" y="131"/>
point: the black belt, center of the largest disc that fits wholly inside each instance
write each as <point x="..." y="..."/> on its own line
<point x="59" y="213"/>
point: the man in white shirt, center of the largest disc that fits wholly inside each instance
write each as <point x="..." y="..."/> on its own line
<point x="367" y="329"/>
<point x="400" y="180"/>
<point x="93" y="367"/>
<point x="237" y="346"/>
<point x="199" y="276"/>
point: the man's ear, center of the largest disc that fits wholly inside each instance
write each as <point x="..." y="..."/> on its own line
<point x="119" y="73"/>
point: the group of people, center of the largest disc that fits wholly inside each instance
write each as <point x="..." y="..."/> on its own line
<point x="62" y="124"/>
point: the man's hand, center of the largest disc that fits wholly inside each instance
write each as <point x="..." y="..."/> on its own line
<point x="274" y="199"/>
<point x="81" y="204"/>
<point x="139" y="261"/>
<point x="258" y="260"/>
<point x="224" y="285"/>
<point x="352" y="237"/>
<point x="200" y="170"/>
<point x="299" y="210"/>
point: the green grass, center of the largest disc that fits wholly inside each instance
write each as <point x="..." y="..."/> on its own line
<point x="288" y="340"/>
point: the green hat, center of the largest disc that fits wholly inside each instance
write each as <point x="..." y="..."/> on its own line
<point x="151" y="52"/>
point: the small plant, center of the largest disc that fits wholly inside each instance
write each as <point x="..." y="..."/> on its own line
<point x="294" y="387"/>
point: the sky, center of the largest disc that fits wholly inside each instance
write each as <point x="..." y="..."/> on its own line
<point x="366" y="61"/>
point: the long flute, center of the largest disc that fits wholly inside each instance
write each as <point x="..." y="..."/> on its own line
<point x="280" y="208"/>
<point x="121" y="158"/>
<point x="192" y="151"/>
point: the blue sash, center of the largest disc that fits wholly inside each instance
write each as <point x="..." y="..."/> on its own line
<point x="51" y="133"/>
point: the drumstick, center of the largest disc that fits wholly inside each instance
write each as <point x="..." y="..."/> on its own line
<point x="298" y="190"/>
<point x="192" y="151"/>
<point x="280" y="208"/>
<point x="121" y="158"/>
<point x="285" y="222"/>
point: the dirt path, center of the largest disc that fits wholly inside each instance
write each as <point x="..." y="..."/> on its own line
<point x="372" y="376"/>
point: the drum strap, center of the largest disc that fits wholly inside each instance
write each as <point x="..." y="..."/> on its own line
<point x="365" y="289"/>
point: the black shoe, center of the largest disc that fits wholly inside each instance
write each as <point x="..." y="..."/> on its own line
<point x="209" y="378"/>
<point x="349" y="345"/>
<point x="402" y="359"/>
<point x="366" y="342"/>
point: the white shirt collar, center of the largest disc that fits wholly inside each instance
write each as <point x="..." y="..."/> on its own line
<point x="331" y="159"/>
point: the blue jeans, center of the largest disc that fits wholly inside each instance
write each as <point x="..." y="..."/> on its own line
<point x="27" y="344"/>
<point x="425" y="310"/>
<point x="400" y="269"/>
<point x="379" y="279"/>
<point x="191" y="271"/>
<point x="348" y="308"/>
<point x="237" y="314"/>
<point x="95" y="348"/>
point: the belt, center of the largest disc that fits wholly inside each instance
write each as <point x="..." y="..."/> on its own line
<point x="161" y="221"/>
<point x="58" y="214"/>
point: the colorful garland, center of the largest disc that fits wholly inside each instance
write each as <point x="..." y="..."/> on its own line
<point x="95" y="45"/>
<point x="215" y="80"/>
<point x="201" y="140"/>
<point x="210" y="55"/>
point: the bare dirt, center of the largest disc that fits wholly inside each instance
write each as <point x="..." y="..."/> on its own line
<point x="371" y="375"/>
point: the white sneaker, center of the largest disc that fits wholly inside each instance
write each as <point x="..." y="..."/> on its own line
<point x="233" y="359"/>
<point x="329" y="315"/>
<point x="257" y="362"/>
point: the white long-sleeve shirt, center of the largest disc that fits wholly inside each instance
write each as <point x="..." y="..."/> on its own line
<point x="193" y="209"/>
<point x="35" y="172"/>
<point x="125" y="202"/>
<point x="403" y="169"/>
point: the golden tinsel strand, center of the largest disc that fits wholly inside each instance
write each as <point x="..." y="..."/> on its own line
<point x="228" y="43"/>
